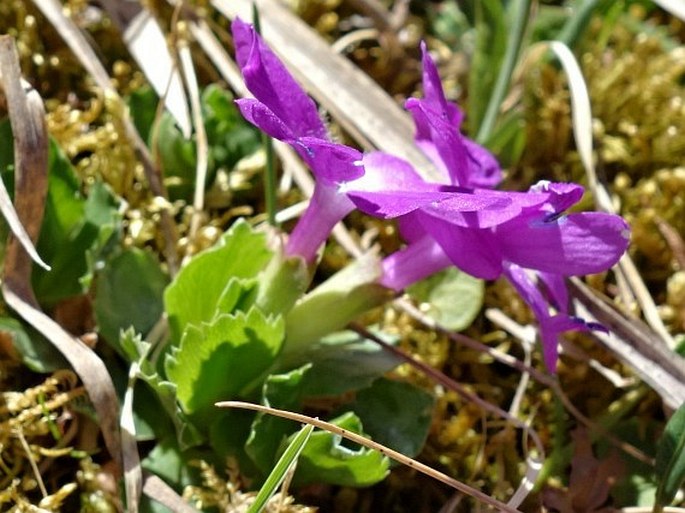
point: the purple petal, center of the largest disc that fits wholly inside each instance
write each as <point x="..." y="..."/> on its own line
<point x="473" y="251"/>
<point x="540" y="204"/>
<point x="556" y="287"/>
<point x="331" y="162"/>
<point x="550" y="326"/>
<point x="390" y="188"/>
<point x="437" y="135"/>
<point x="410" y="227"/>
<point x="528" y="291"/>
<point x="573" y="245"/>
<point x="560" y="196"/>
<point x="505" y="207"/>
<point x="260" y="116"/>
<point x="433" y="127"/>
<point x="434" y="93"/>
<point x="270" y="82"/>
<point x="484" y="170"/>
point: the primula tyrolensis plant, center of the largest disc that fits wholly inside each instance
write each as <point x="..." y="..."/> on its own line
<point x="465" y="221"/>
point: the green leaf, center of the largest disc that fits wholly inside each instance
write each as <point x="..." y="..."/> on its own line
<point x="129" y="294"/>
<point x="178" y="159"/>
<point x="343" y="362"/>
<point x="328" y="458"/>
<point x="454" y="297"/>
<point x="229" y="431"/>
<point x="143" y="104"/>
<point x="36" y="352"/>
<point x="395" y="414"/>
<point x="166" y="460"/>
<point x="518" y="13"/>
<point x="286" y="462"/>
<point x="230" y="137"/>
<point x="670" y="459"/>
<point x="268" y="432"/>
<point x="137" y="350"/>
<point x="448" y="23"/>
<point x="221" y="359"/>
<point x="75" y="231"/>
<point x="151" y="420"/>
<point x="509" y="138"/>
<point x="194" y="295"/>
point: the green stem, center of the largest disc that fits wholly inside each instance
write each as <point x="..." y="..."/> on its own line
<point x="521" y="12"/>
<point x="269" y="180"/>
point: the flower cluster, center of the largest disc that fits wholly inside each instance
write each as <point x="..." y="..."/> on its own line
<point x="462" y="221"/>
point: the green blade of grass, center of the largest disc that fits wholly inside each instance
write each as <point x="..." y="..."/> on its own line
<point x="520" y="12"/>
<point x="281" y="469"/>
<point x="670" y="460"/>
<point x="578" y="21"/>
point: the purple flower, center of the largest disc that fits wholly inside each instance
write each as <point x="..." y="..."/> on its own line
<point x="378" y="184"/>
<point x="532" y="231"/>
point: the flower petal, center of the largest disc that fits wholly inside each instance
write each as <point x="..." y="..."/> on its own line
<point x="556" y="287"/>
<point x="270" y="82"/>
<point x="331" y="162"/>
<point x="260" y="116"/>
<point x="434" y="93"/>
<point x="505" y="207"/>
<point x="433" y="127"/>
<point x="391" y="187"/>
<point x="472" y="250"/>
<point x="484" y="170"/>
<point x="437" y="135"/>
<point x="418" y="260"/>
<point x="573" y="245"/>
<point x="560" y="196"/>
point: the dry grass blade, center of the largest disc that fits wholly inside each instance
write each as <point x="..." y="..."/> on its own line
<point x="52" y="10"/>
<point x="161" y="492"/>
<point x="358" y="439"/>
<point x="10" y="214"/>
<point x="367" y="112"/>
<point x="31" y="159"/>
<point x="133" y="472"/>
<point x="141" y="32"/>
<point x="635" y="344"/>
<point x="202" y="146"/>
<point x="675" y="7"/>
